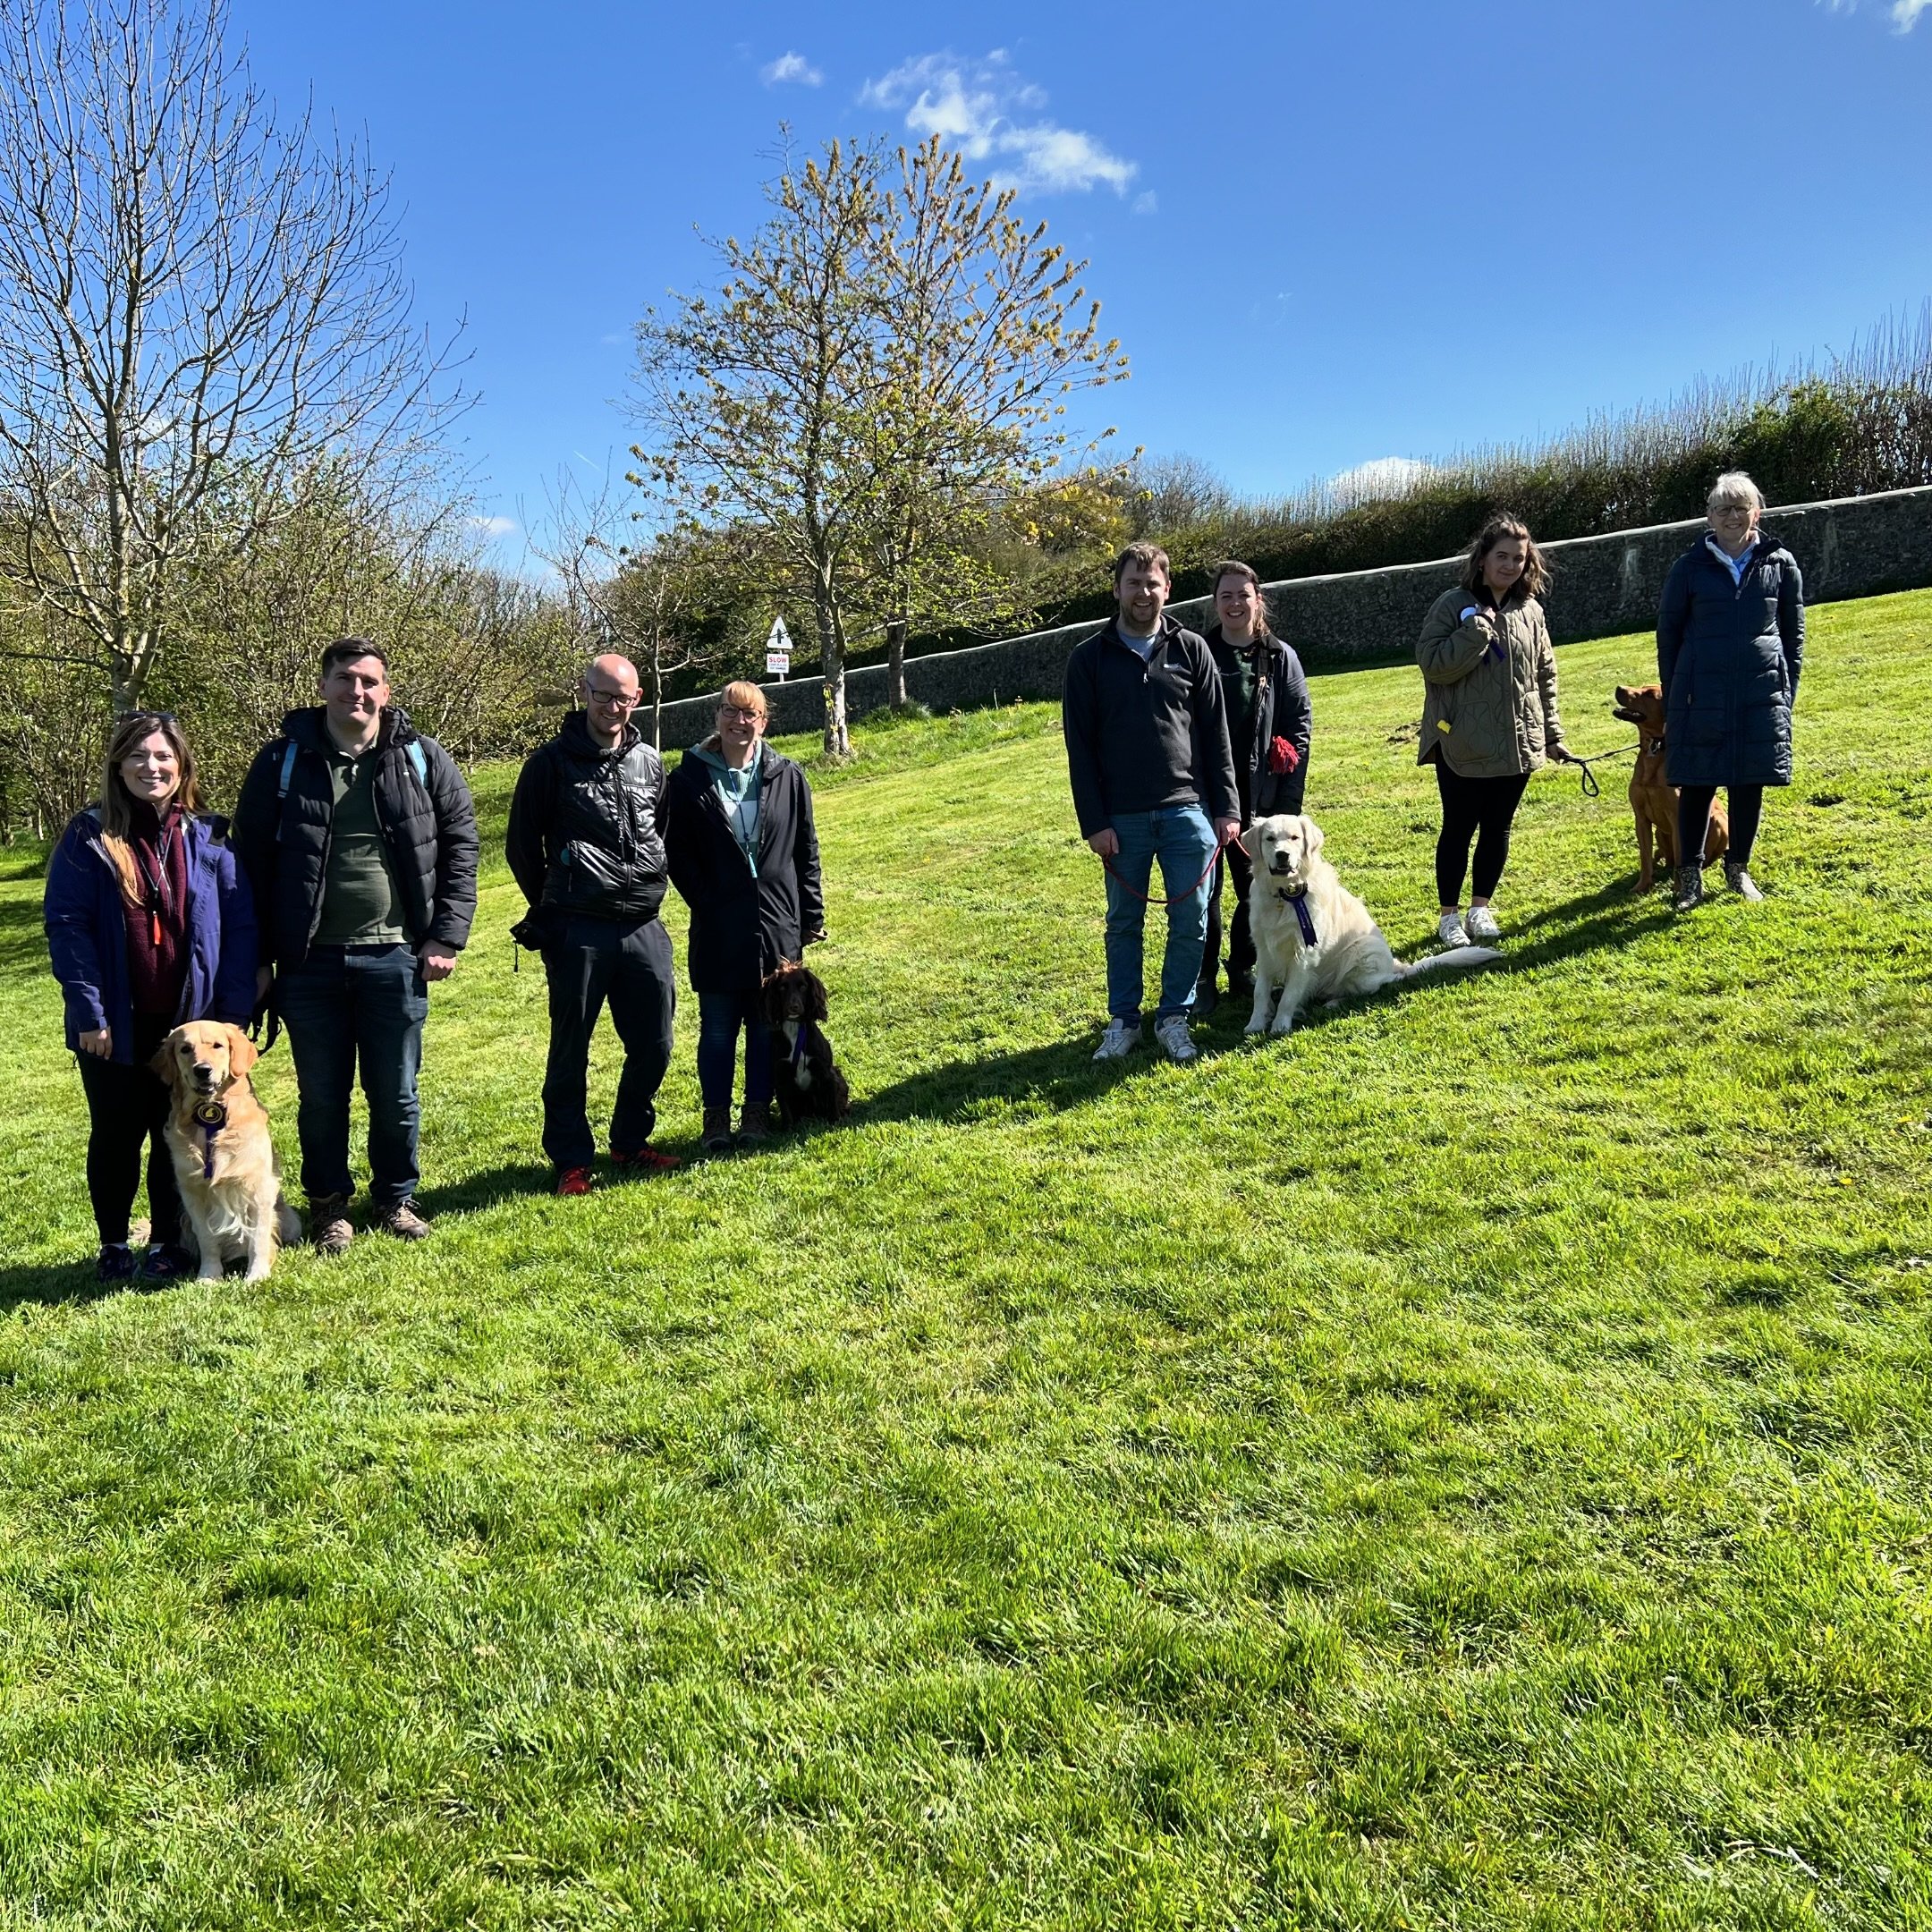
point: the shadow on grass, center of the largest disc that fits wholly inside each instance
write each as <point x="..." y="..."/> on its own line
<point x="1061" y="1075"/>
<point x="487" y="1187"/>
<point x="52" y="1284"/>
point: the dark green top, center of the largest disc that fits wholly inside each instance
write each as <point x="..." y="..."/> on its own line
<point x="361" y="905"/>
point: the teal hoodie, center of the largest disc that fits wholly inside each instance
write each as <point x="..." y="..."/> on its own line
<point x="737" y="793"/>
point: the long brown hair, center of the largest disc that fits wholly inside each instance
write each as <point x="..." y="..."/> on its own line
<point x="116" y="802"/>
<point x="1246" y="572"/>
<point x="1536" y="572"/>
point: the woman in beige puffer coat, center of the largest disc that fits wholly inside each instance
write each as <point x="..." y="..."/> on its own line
<point x="1489" y="714"/>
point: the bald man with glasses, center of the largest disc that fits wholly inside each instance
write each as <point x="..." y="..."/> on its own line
<point x="586" y="845"/>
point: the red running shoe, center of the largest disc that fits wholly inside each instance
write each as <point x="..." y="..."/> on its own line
<point x="573" y="1181"/>
<point x="646" y="1160"/>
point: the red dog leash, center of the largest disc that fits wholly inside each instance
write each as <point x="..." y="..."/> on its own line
<point x="1178" y="897"/>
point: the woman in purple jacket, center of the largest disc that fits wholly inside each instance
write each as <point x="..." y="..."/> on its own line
<point x="150" y="925"/>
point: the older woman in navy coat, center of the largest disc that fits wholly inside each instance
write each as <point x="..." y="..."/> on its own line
<point x="1730" y="646"/>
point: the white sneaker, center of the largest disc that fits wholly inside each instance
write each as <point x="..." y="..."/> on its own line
<point x="1119" y="1040"/>
<point x="1449" y="929"/>
<point x="1172" y="1034"/>
<point x="1481" y="926"/>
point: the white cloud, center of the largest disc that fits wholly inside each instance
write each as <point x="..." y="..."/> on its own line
<point x="495" y="526"/>
<point x="977" y="107"/>
<point x="790" y="67"/>
<point x="1146" y="202"/>
<point x="1384" y="476"/>
<point x="1903" y="14"/>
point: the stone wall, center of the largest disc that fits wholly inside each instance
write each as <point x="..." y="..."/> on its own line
<point x="1603" y="586"/>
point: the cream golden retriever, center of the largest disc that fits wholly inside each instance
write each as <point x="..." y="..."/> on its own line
<point x="1314" y="938"/>
<point x="217" y="1132"/>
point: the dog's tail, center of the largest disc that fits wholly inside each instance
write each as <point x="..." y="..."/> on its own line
<point x="1455" y="960"/>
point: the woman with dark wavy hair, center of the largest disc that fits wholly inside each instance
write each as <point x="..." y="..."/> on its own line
<point x="1489" y="714"/>
<point x="150" y="925"/>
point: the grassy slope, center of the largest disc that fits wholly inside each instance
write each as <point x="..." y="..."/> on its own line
<point x="1465" y="1465"/>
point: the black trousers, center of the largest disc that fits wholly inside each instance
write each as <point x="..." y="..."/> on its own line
<point x="1693" y="821"/>
<point x="1481" y="809"/>
<point x="127" y="1108"/>
<point x="1240" y="955"/>
<point x="595" y="961"/>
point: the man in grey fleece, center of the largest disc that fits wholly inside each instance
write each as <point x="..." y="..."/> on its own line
<point x="1153" y="777"/>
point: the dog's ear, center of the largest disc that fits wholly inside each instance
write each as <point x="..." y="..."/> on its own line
<point x="816" y="1006"/>
<point x="162" y="1066"/>
<point x="1315" y="836"/>
<point x="1250" y="839"/>
<point x="242" y="1052"/>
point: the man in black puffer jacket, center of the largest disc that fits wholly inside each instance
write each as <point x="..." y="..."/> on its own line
<point x="586" y="846"/>
<point x="358" y="838"/>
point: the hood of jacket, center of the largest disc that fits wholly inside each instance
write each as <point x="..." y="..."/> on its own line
<point x="309" y="728"/>
<point x="573" y="738"/>
<point x="710" y="753"/>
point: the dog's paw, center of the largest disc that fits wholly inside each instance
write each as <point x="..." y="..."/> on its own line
<point x="1255" y="1028"/>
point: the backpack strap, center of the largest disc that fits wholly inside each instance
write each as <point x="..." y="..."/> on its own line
<point x="288" y="770"/>
<point x="419" y="763"/>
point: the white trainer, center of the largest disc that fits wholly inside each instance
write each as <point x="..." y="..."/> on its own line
<point x="1481" y="925"/>
<point x="1450" y="930"/>
<point x="1118" y="1041"/>
<point x="1172" y="1034"/>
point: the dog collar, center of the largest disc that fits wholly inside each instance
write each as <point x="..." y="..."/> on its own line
<point x="1304" y="918"/>
<point x="211" y="1116"/>
<point x="1655" y="748"/>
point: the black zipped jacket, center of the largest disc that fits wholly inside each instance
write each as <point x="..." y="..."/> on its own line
<point x="1281" y="710"/>
<point x="741" y="926"/>
<point x="1146" y="732"/>
<point x="586" y="826"/>
<point x="427" y="822"/>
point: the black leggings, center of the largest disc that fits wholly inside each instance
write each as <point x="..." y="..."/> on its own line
<point x="1693" y="821"/>
<point x="1472" y="807"/>
<point x="127" y="1108"/>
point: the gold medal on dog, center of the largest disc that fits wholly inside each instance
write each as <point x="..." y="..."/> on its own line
<point x="211" y="1114"/>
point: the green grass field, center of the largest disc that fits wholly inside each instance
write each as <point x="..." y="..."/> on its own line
<point x="1464" y="1465"/>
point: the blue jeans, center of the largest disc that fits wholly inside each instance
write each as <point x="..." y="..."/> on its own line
<point x="719" y="1017"/>
<point x="1183" y="840"/>
<point x="346" y="1006"/>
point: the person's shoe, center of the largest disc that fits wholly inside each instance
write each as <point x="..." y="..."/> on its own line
<point x="1119" y="1040"/>
<point x="572" y="1180"/>
<point x="1206" y="999"/>
<point x="1173" y="1035"/>
<point x="328" y="1224"/>
<point x="1451" y="930"/>
<point x="717" y="1134"/>
<point x="1741" y="883"/>
<point x="1689" y="888"/>
<point x="115" y="1262"/>
<point x="403" y="1221"/>
<point x="1481" y="926"/>
<point x="645" y="1160"/>
<point x="754" y="1124"/>
<point x="166" y="1261"/>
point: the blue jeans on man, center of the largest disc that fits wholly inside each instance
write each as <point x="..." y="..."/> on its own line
<point x="349" y="1007"/>
<point x="1183" y="838"/>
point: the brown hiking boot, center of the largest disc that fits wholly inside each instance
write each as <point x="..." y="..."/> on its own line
<point x="403" y="1221"/>
<point x="754" y="1123"/>
<point x="328" y="1224"/>
<point x="717" y="1134"/>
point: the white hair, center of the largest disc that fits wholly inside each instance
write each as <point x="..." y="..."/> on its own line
<point x="1734" y="487"/>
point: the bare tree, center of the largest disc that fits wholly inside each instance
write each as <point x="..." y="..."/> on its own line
<point x="981" y="338"/>
<point x="755" y="398"/>
<point x="203" y="318"/>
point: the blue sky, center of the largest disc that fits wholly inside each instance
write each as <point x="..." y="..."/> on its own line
<point x="1325" y="235"/>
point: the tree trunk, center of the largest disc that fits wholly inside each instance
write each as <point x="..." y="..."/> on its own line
<point x="831" y="662"/>
<point x="895" y="684"/>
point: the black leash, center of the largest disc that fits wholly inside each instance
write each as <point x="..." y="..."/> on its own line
<point x="1592" y="789"/>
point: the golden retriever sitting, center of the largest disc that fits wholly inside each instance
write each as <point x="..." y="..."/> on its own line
<point x="217" y="1132"/>
<point x="1313" y="938"/>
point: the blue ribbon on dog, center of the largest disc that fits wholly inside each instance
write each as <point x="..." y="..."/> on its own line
<point x="1304" y="918"/>
<point x="210" y="1117"/>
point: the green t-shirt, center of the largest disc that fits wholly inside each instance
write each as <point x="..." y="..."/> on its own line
<point x="361" y="905"/>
